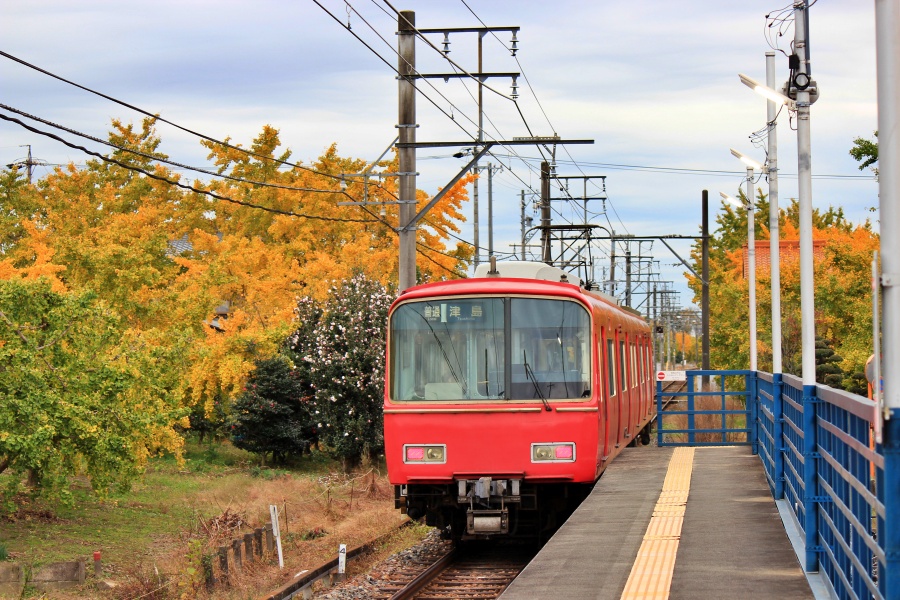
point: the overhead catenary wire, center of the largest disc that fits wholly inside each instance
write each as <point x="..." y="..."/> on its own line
<point x="531" y="88"/>
<point x="455" y="67"/>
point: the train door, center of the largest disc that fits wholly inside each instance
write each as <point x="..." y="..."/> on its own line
<point x="637" y="405"/>
<point x="599" y="387"/>
<point x="612" y="402"/>
<point x="624" y="396"/>
<point x="649" y="385"/>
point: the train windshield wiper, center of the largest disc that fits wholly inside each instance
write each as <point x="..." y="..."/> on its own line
<point x="537" y="388"/>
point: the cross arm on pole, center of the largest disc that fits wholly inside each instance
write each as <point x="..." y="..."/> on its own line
<point x="485" y="147"/>
<point x="689" y="268"/>
<point x="437" y="197"/>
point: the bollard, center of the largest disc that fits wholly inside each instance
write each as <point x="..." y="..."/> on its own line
<point x="248" y="547"/>
<point x="236" y="549"/>
<point x="98" y="570"/>
<point x="258" y="541"/>
<point x="270" y="539"/>
<point x="207" y="562"/>
<point x="223" y="560"/>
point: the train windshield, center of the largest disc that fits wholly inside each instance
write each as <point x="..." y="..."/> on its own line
<point x="488" y="349"/>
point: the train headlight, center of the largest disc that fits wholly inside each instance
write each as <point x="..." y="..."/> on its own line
<point x="416" y="453"/>
<point x="553" y="452"/>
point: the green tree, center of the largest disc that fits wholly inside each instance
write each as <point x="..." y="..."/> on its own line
<point x="341" y="353"/>
<point x="865" y="152"/>
<point x="78" y="392"/>
<point x="828" y="370"/>
<point x="272" y="415"/>
<point x="842" y="297"/>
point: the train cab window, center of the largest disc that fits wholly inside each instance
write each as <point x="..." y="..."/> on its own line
<point x="550" y="349"/>
<point x="490" y="348"/>
<point x="448" y="350"/>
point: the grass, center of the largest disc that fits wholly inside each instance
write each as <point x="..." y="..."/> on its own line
<point x="157" y="533"/>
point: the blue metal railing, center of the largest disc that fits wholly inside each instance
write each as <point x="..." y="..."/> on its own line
<point x="831" y="474"/>
<point x="718" y="414"/>
<point x="816" y="445"/>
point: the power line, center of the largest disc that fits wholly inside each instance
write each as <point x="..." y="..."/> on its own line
<point x="165" y="160"/>
<point x="163" y="120"/>
<point x="179" y="184"/>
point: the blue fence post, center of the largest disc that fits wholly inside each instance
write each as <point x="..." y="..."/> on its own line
<point x="891" y="499"/>
<point x="659" y="414"/>
<point x="690" y="416"/>
<point x="778" y="435"/>
<point x="752" y="407"/>
<point x="810" y="476"/>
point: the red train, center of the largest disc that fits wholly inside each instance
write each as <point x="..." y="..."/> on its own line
<point x="507" y="395"/>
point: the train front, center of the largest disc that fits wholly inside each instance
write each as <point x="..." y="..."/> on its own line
<point x="490" y="415"/>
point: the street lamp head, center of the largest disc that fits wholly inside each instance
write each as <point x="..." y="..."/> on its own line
<point x="747" y="160"/>
<point x="731" y="200"/>
<point x="767" y="92"/>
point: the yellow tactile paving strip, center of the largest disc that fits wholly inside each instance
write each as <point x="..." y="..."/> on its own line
<point x="651" y="574"/>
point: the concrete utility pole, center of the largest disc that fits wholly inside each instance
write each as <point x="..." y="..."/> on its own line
<point x="612" y="264"/>
<point x="545" y="213"/>
<point x="627" y="275"/>
<point x="887" y="23"/>
<point x="804" y="185"/>
<point x="774" y="235"/>
<point x="406" y="24"/>
<point x="491" y="169"/>
<point x="525" y="224"/>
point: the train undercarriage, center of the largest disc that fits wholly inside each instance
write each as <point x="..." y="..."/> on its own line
<point x="485" y="508"/>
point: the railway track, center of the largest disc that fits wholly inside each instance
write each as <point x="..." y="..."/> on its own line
<point x="475" y="571"/>
<point x="673" y="387"/>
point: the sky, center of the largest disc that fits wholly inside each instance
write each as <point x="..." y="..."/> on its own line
<point x="653" y="83"/>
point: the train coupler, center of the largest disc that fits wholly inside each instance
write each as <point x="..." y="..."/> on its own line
<point x="481" y="522"/>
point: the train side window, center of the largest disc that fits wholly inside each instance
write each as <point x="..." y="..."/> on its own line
<point x="611" y="366"/>
<point x="640" y="361"/>
<point x="633" y="364"/>
<point x="622" y="369"/>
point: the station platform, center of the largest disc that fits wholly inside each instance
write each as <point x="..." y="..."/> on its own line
<point x="681" y="523"/>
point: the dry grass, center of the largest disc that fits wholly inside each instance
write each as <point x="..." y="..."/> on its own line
<point x="317" y="514"/>
<point x="164" y="560"/>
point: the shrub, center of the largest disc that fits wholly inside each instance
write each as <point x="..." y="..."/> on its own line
<point x="271" y="416"/>
<point x="339" y="349"/>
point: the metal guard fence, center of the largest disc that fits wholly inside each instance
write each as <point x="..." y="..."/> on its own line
<point x="816" y="445"/>
<point x="820" y="457"/>
<point x="717" y="414"/>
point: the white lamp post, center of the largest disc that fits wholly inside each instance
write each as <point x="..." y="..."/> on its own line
<point x="751" y="259"/>
<point x="804" y="99"/>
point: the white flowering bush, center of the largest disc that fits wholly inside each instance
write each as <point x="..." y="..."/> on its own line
<point x="338" y="349"/>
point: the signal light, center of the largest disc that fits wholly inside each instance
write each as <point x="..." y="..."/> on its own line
<point x="553" y="452"/>
<point x="425" y="454"/>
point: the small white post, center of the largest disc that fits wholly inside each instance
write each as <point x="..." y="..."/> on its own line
<point x="342" y="561"/>
<point x="276" y="532"/>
